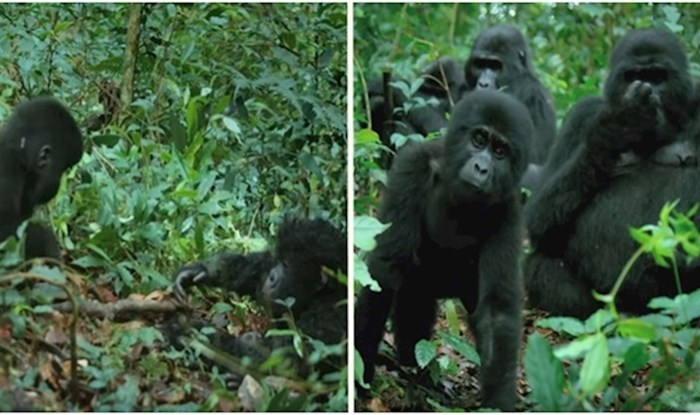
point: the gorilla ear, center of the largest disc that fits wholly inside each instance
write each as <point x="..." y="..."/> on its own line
<point x="44" y="157"/>
<point x="523" y="57"/>
<point x="435" y="169"/>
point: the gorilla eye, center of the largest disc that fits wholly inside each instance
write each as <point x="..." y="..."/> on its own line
<point x="480" y="139"/>
<point x="652" y="76"/>
<point x="488" y="63"/>
<point x="500" y="151"/>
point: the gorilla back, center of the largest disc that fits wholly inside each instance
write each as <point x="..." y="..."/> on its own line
<point x="456" y="231"/>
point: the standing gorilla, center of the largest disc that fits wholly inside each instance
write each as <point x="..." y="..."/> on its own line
<point x="294" y="270"/>
<point x="501" y="59"/>
<point x="456" y="232"/>
<point x="38" y="143"/>
<point x="578" y="220"/>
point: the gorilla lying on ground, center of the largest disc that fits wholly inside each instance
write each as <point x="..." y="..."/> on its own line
<point x="295" y="269"/>
<point x="578" y="221"/>
<point x="39" y="142"/>
<point x="456" y="231"/>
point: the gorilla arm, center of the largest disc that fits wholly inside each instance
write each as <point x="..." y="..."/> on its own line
<point x="250" y="270"/>
<point x="497" y="319"/>
<point x="594" y="136"/>
<point x="410" y="181"/>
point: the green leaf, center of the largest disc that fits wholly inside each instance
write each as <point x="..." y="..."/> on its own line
<point x="360" y="370"/>
<point x="461" y="346"/>
<point x="576" y="348"/>
<point x="569" y="325"/>
<point x="545" y="374"/>
<point x="595" y="371"/>
<point x="362" y="276"/>
<point x="425" y="352"/>
<point x="637" y="329"/>
<point x="232" y="125"/>
<point x="366" y="230"/>
<point x="109" y="140"/>
<point x="636" y="357"/>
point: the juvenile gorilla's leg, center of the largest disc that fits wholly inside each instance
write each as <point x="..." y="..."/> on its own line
<point x="371" y="312"/>
<point x="551" y="286"/>
<point x="414" y="318"/>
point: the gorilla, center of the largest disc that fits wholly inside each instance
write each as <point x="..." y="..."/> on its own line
<point x="443" y="82"/>
<point x="500" y="59"/>
<point x="39" y="142"/>
<point x="578" y="221"/>
<point x="456" y="231"/>
<point x="305" y="250"/>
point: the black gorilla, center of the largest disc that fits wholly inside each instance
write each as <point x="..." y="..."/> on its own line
<point x="38" y="143"/>
<point x="578" y="220"/>
<point x="500" y="59"/>
<point x="443" y="83"/>
<point x="295" y="269"/>
<point x="456" y="232"/>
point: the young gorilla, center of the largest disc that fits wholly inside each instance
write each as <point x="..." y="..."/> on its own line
<point x="578" y="221"/>
<point x="38" y="143"/>
<point x="456" y="232"/>
<point x="294" y="270"/>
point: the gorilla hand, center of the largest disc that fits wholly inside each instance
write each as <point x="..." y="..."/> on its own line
<point x="631" y="122"/>
<point x="188" y="276"/>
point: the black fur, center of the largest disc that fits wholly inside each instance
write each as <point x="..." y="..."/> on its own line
<point x="504" y="49"/>
<point x="38" y="143"/>
<point x="455" y="231"/>
<point x="442" y="87"/>
<point x="294" y="270"/>
<point x="578" y="220"/>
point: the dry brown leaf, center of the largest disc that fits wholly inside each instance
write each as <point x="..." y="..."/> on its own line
<point x="250" y="393"/>
<point x="376" y="405"/>
<point x="55" y="335"/>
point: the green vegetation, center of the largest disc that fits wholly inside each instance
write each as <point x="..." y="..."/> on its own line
<point x="608" y="362"/>
<point x="204" y="125"/>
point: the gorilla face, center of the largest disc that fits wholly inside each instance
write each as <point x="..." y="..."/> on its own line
<point x="651" y="66"/>
<point x="498" y="56"/>
<point x="487" y="145"/>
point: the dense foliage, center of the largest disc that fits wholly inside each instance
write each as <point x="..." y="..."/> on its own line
<point x="205" y="124"/>
<point x="570" y="45"/>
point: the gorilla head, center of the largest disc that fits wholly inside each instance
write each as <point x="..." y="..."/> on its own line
<point x="487" y="144"/>
<point x="303" y="248"/>
<point x="37" y="144"/>
<point x="443" y="76"/>
<point x="499" y="55"/>
<point x="651" y="65"/>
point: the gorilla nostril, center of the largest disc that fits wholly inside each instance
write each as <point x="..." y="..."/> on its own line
<point x="480" y="170"/>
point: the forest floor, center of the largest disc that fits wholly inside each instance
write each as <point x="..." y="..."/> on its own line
<point x="411" y="389"/>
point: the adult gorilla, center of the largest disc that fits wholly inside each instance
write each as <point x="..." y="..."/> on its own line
<point x="38" y="143"/>
<point x="578" y="220"/>
<point x="500" y="59"/>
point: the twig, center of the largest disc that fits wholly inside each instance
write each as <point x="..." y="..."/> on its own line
<point x="120" y="310"/>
